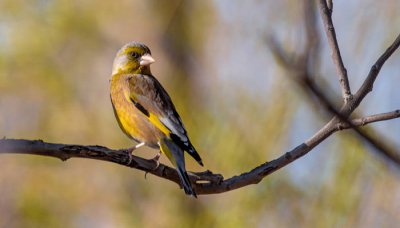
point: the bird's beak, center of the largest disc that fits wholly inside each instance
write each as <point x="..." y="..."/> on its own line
<point x="146" y="60"/>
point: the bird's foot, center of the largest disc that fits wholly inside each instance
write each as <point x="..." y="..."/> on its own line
<point x="156" y="159"/>
<point x="130" y="158"/>
<point x="130" y="151"/>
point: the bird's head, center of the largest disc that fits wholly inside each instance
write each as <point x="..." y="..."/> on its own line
<point x="134" y="58"/>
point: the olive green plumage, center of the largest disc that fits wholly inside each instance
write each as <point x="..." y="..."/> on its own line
<point x="145" y="111"/>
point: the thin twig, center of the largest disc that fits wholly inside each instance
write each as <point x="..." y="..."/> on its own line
<point x="302" y="75"/>
<point x="340" y="120"/>
<point x="367" y="86"/>
<point x="337" y="59"/>
<point x="369" y="119"/>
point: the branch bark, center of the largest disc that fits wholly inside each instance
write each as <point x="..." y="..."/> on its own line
<point x="326" y="14"/>
<point x="204" y="182"/>
<point x="358" y="122"/>
<point x="302" y="73"/>
<point x="367" y="86"/>
<point x="341" y="116"/>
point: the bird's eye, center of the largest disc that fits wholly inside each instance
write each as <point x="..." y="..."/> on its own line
<point x="134" y="54"/>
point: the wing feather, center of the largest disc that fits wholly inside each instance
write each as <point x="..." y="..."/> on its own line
<point x="148" y="95"/>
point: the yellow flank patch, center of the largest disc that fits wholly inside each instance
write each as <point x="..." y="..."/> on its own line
<point x="125" y="125"/>
<point x="154" y="120"/>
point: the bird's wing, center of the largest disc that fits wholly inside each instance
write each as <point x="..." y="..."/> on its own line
<point x="147" y="94"/>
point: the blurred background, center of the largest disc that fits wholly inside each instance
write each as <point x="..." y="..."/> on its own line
<point x="237" y="103"/>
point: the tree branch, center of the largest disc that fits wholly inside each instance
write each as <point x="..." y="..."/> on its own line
<point x="302" y="73"/>
<point x="369" y="119"/>
<point x="367" y="86"/>
<point x="121" y="157"/>
<point x="326" y="14"/>
<point x="340" y="118"/>
<point x="204" y="182"/>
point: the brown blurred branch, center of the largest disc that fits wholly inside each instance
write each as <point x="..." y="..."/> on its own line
<point x="326" y="15"/>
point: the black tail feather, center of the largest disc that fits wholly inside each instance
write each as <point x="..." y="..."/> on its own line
<point x="176" y="155"/>
<point x="187" y="147"/>
<point x="187" y="186"/>
<point x="192" y="151"/>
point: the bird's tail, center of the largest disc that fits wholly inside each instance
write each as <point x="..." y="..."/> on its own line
<point x="176" y="156"/>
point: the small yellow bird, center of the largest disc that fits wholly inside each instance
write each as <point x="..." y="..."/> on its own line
<point x="145" y="111"/>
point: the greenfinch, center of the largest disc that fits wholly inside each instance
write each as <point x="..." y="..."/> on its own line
<point x="145" y="111"/>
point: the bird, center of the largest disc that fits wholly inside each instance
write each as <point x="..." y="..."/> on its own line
<point x="146" y="113"/>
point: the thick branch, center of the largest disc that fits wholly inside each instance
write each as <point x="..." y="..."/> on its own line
<point x="121" y="157"/>
<point x="326" y="14"/>
<point x="205" y="182"/>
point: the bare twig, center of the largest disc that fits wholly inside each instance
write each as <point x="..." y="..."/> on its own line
<point x="341" y="122"/>
<point x="302" y="72"/>
<point x="369" y="119"/>
<point x="340" y="118"/>
<point x="367" y="86"/>
<point x="337" y="59"/>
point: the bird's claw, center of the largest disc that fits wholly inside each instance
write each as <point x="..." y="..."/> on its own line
<point x="156" y="160"/>
<point x="130" y="157"/>
<point x="130" y="151"/>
